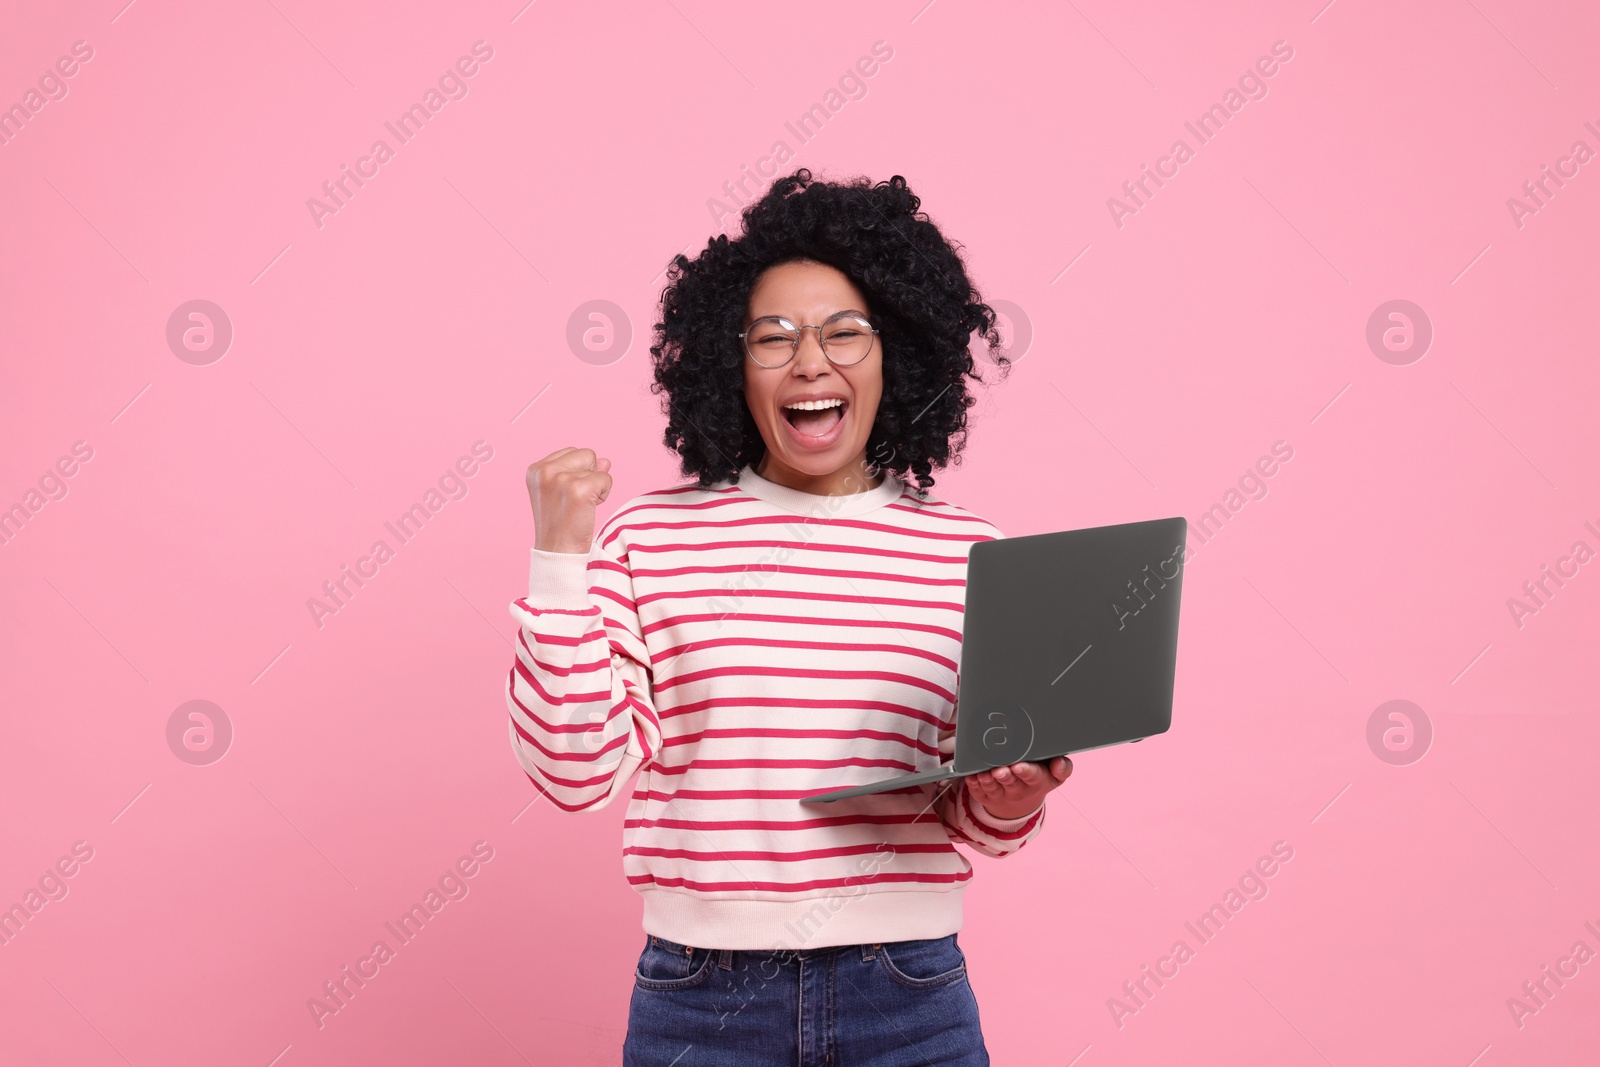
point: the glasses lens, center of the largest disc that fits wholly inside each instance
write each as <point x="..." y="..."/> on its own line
<point x="847" y="339"/>
<point x="771" y="342"/>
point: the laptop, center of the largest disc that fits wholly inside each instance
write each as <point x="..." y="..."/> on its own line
<point x="1070" y="642"/>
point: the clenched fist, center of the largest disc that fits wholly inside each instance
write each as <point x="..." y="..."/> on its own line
<point x="565" y="488"/>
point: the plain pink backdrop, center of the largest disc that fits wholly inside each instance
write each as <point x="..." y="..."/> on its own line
<point x="1167" y="354"/>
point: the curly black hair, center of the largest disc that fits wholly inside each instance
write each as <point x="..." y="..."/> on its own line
<point x="922" y="302"/>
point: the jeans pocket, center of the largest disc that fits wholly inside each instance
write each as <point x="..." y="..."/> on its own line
<point x="667" y="965"/>
<point x="923" y="964"/>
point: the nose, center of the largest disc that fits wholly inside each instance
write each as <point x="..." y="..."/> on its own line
<point x="810" y="360"/>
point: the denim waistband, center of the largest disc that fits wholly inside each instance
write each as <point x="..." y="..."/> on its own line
<point x="725" y="956"/>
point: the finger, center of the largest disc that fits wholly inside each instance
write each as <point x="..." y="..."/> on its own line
<point x="557" y="454"/>
<point x="602" y="464"/>
<point x="1061" y="768"/>
<point x="569" y="459"/>
<point x="1001" y="790"/>
<point x="544" y="463"/>
<point x="580" y="459"/>
<point x="1017" y="789"/>
<point x="598" y="483"/>
<point x="1028" y="774"/>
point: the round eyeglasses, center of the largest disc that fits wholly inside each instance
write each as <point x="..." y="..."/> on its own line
<point x="846" y="339"/>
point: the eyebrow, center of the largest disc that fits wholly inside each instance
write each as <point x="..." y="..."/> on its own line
<point x="831" y="314"/>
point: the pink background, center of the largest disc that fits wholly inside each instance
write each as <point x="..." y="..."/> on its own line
<point x="1167" y="354"/>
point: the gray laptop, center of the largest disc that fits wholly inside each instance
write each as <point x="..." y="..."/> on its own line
<point x="1070" y="642"/>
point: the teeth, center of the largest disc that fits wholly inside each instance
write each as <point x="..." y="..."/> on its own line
<point x="814" y="405"/>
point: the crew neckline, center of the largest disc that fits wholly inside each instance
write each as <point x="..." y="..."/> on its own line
<point x="820" y="505"/>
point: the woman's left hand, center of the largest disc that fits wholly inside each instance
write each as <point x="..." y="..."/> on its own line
<point x="1017" y="789"/>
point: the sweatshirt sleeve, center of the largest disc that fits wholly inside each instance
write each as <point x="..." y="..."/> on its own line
<point x="969" y="822"/>
<point x="582" y="713"/>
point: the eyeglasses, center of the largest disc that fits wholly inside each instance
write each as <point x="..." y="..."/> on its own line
<point x="846" y="339"/>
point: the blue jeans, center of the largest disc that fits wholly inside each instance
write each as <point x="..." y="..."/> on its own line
<point x="895" y="1004"/>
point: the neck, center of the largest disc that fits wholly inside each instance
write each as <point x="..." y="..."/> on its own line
<point x="853" y="477"/>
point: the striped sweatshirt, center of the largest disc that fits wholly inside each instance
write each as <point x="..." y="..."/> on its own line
<point x="742" y="646"/>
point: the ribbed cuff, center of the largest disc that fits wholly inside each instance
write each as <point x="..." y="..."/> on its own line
<point x="988" y="821"/>
<point x="558" y="580"/>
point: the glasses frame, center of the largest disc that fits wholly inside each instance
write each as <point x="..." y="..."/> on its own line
<point x="794" y="350"/>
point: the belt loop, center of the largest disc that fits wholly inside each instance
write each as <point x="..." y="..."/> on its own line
<point x="870" y="952"/>
<point x="726" y="959"/>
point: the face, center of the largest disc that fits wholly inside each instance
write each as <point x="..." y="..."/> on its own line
<point x="821" y="451"/>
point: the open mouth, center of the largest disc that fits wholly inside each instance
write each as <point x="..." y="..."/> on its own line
<point x="815" y="418"/>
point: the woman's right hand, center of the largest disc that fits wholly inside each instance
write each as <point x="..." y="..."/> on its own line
<point x="565" y="488"/>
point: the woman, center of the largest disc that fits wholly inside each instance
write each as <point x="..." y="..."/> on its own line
<point x="788" y="623"/>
